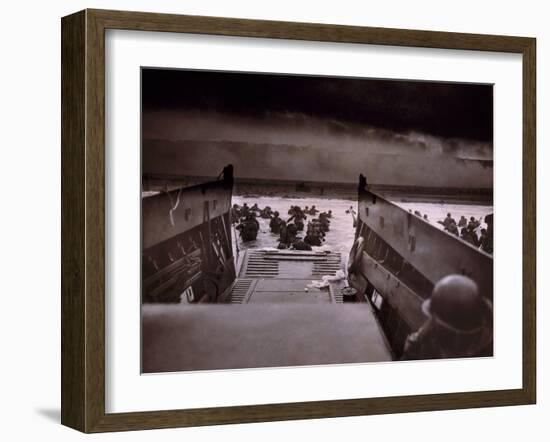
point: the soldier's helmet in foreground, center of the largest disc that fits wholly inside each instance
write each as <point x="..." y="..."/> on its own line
<point x="457" y="304"/>
<point x="460" y="322"/>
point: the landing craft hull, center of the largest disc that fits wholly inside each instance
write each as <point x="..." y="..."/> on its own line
<point x="186" y="242"/>
<point x="403" y="257"/>
<point x="269" y="314"/>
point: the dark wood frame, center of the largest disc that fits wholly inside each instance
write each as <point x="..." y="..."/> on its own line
<point x="83" y="217"/>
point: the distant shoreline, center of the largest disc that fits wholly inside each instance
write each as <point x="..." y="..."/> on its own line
<point x="346" y="191"/>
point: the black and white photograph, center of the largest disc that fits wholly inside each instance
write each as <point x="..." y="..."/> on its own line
<point x="275" y="221"/>
<point x="293" y="220"/>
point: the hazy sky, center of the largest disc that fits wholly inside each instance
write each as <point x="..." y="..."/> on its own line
<point x="311" y="122"/>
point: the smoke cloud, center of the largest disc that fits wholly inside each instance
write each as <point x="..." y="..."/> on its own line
<point x="299" y="147"/>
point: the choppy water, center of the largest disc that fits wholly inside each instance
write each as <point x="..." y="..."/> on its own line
<point x="341" y="234"/>
<point x="339" y="238"/>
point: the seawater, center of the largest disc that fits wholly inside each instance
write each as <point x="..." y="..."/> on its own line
<point x="341" y="235"/>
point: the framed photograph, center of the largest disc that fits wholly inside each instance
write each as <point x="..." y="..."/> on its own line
<point x="269" y="220"/>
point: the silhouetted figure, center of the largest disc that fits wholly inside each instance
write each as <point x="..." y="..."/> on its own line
<point x="453" y="229"/>
<point x="470" y="236"/>
<point x="291" y="231"/>
<point x="235" y="213"/>
<point x="473" y="224"/>
<point x="266" y="212"/>
<point x="489" y="240"/>
<point x="448" y="220"/>
<point x="283" y="238"/>
<point x="313" y="238"/>
<point x="325" y="222"/>
<point x="485" y="241"/>
<point x="288" y="235"/>
<point x="301" y="245"/>
<point x="249" y="228"/>
<point x="275" y="223"/>
<point x="298" y="217"/>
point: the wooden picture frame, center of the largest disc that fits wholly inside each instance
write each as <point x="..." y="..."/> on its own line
<point x="83" y="220"/>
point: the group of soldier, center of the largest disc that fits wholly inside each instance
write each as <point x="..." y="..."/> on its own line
<point x="288" y="230"/>
<point x="245" y="218"/>
<point x="467" y="230"/>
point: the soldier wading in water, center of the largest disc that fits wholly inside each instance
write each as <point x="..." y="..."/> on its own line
<point x="249" y="227"/>
<point x="275" y="223"/>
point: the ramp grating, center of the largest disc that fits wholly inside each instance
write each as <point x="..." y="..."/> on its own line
<point x="257" y="266"/>
<point x="239" y="291"/>
<point x="329" y="266"/>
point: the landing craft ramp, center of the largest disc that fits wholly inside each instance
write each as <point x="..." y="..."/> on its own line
<point x="201" y="312"/>
<point x="281" y="276"/>
<point x="224" y="336"/>
<point x="266" y="318"/>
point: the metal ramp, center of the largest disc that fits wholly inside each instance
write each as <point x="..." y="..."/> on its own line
<point x="281" y="325"/>
<point x="256" y="266"/>
<point x="239" y="291"/>
<point x="289" y="264"/>
<point x="259" y="335"/>
<point x="283" y="276"/>
<point x="330" y="266"/>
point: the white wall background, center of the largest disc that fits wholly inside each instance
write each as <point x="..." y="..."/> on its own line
<point x="30" y="220"/>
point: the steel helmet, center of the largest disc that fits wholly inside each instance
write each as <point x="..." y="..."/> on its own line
<point x="457" y="305"/>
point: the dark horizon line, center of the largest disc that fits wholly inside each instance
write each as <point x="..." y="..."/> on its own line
<point x="272" y="181"/>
